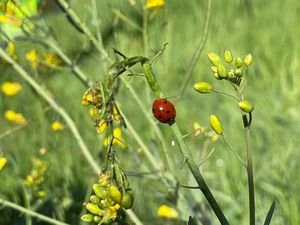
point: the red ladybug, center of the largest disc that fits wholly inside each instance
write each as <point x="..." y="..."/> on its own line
<point x="164" y="111"/>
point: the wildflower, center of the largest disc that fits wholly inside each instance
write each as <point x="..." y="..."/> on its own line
<point x="33" y="58"/>
<point x="155" y="4"/>
<point x="104" y="179"/>
<point x="118" y="139"/>
<point x="11" y="88"/>
<point x="51" y="59"/>
<point x="167" y="212"/>
<point x="3" y="161"/>
<point x="87" y="98"/>
<point x="36" y="176"/>
<point x="101" y="126"/>
<point x="57" y="126"/>
<point x="41" y="194"/>
<point x="6" y="19"/>
<point x="17" y="118"/>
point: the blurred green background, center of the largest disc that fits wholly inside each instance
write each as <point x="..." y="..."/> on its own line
<point x="266" y="29"/>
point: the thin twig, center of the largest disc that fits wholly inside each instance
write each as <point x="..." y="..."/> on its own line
<point x="197" y="52"/>
<point x="30" y="212"/>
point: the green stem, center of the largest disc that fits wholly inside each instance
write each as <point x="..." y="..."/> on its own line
<point x="198" y="177"/>
<point x="127" y="20"/>
<point x="197" y="52"/>
<point x="224" y="93"/>
<point x="47" y="97"/>
<point x="234" y="153"/>
<point x="30" y="212"/>
<point x="84" y="28"/>
<point x="250" y="177"/>
<point x="27" y="205"/>
<point x="145" y="32"/>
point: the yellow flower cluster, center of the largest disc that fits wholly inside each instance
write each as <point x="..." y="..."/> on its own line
<point x="106" y="201"/>
<point x="36" y="177"/>
<point x="51" y="59"/>
<point x="11" y="88"/>
<point x="117" y="139"/>
<point x="167" y="212"/>
<point x="33" y="59"/>
<point x="14" y="117"/>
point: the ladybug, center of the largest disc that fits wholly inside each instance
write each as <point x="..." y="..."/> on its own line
<point x="164" y="111"/>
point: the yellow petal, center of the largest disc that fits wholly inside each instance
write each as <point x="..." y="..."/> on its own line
<point x="167" y="212"/>
<point x="3" y="161"/>
<point x="57" y="126"/>
<point x="10" y="88"/>
<point x="101" y="126"/>
<point x="155" y="3"/>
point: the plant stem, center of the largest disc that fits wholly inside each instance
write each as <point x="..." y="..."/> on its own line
<point x="197" y="52"/>
<point x="198" y="177"/>
<point x="127" y="20"/>
<point x="47" y="97"/>
<point x="234" y="153"/>
<point x="224" y="93"/>
<point x="30" y="212"/>
<point x="250" y="177"/>
<point x="145" y="32"/>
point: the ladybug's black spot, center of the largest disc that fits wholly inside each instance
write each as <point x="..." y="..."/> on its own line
<point x="153" y="110"/>
<point x="165" y="102"/>
<point x="160" y="116"/>
<point x="168" y="111"/>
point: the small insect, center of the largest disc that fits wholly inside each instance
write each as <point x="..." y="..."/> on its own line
<point x="164" y="111"/>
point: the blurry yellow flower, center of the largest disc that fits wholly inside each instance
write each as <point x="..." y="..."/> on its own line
<point x="15" y="117"/>
<point x="33" y="58"/>
<point x="52" y="59"/>
<point x="94" y="112"/>
<point x="167" y="212"/>
<point x="36" y="176"/>
<point x="118" y="139"/>
<point x="42" y="151"/>
<point x="155" y="3"/>
<point x="87" y="98"/>
<point x="3" y="161"/>
<point x="10" y="49"/>
<point x="57" y="126"/>
<point x="104" y="179"/>
<point x="101" y="126"/>
<point x="10" y="20"/>
<point x="10" y="88"/>
<point x="29" y="181"/>
<point x="41" y="194"/>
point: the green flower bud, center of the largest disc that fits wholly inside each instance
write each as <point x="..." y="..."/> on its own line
<point x="127" y="200"/>
<point x="214" y="58"/>
<point x="93" y="208"/>
<point x="203" y="87"/>
<point x="214" y="69"/>
<point x="238" y="72"/>
<point x="228" y="56"/>
<point x="114" y="193"/>
<point x="222" y="71"/>
<point x="94" y="199"/>
<point x="246" y="106"/>
<point x="97" y="219"/>
<point x="231" y="74"/>
<point x="87" y="218"/>
<point x="216" y="75"/>
<point x="238" y="62"/>
<point x="248" y="60"/>
<point x="99" y="191"/>
<point x="216" y="124"/>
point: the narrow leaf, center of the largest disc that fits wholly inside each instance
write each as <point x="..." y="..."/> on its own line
<point x="270" y="214"/>
<point x="191" y="221"/>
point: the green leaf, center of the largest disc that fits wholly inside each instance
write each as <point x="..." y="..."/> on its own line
<point x="270" y="214"/>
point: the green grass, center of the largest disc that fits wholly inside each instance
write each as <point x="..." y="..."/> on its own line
<point x="268" y="30"/>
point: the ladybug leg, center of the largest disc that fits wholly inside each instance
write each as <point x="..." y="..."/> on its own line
<point x="119" y="53"/>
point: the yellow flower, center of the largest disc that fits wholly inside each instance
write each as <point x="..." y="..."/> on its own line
<point x="118" y="139"/>
<point x="15" y="117"/>
<point x="94" y="112"/>
<point x="41" y="194"/>
<point x="167" y="212"/>
<point x="87" y="98"/>
<point x="104" y="179"/>
<point x="3" y="161"/>
<point x="33" y="58"/>
<point x="155" y="4"/>
<point x="29" y="181"/>
<point x="10" y="20"/>
<point x="57" y="126"/>
<point x="101" y="126"/>
<point x="52" y="59"/>
<point x="10" y="88"/>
